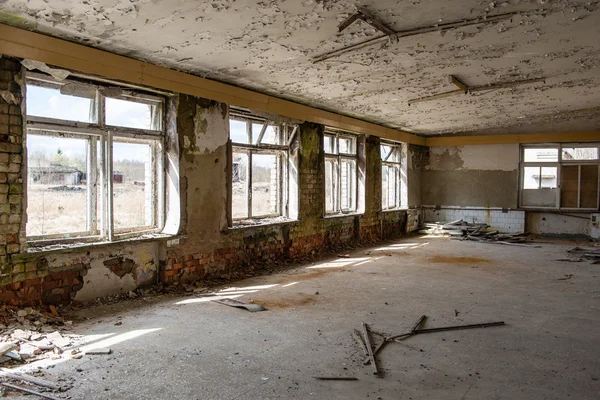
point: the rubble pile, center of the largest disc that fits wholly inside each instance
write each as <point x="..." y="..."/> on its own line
<point x="28" y="335"/>
<point x="478" y="232"/>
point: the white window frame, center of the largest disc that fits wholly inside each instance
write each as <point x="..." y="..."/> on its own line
<point x="558" y="165"/>
<point x="100" y="138"/>
<point x="395" y="166"/>
<point x="288" y="133"/>
<point x="336" y="156"/>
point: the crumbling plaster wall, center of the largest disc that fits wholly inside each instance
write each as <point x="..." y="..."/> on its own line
<point x="479" y="183"/>
<point x="208" y="247"/>
<point x="201" y="243"/>
<point x="471" y="176"/>
<point x="417" y="158"/>
<point x="560" y="224"/>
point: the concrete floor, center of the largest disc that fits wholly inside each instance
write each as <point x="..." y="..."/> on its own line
<point x="189" y="348"/>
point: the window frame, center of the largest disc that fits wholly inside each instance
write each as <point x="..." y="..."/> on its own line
<point x="337" y="156"/>
<point x="397" y="165"/>
<point x="100" y="139"/>
<point x="559" y="164"/>
<point x="282" y="151"/>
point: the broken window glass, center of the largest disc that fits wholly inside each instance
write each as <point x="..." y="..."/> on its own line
<point x="579" y="153"/>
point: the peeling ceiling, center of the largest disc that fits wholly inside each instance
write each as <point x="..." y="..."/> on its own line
<point x="270" y="46"/>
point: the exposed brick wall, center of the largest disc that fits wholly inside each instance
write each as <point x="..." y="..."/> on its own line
<point x="31" y="282"/>
<point x="11" y="179"/>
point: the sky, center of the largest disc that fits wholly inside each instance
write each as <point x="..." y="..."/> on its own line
<point x="51" y="103"/>
<point x="237" y="133"/>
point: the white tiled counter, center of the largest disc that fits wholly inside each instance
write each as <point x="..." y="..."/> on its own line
<point x="510" y="221"/>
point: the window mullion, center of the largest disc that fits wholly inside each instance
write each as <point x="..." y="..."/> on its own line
<point x="92" y="190"/>
<point x="152" y="201"/>
<point x="102" y="184"/>
<point x="579" y="186"/>
<point x="160" y="194"/>
<point x="339" y="184"/>
<point x="249" y="184"/>
<point x="100" y="109"/>
<point x="558" y="184"/>
<point x="109" y="186"/>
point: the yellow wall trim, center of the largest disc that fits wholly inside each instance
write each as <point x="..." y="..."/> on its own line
<point x="61" y="53"/>
<point x="552" y="137"/>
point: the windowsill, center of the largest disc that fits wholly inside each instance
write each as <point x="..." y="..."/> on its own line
<point x="391" y="210"/>
<point x="260" y="222"/>
<point x="332" y="216"/>
<point x="38" y="247"/>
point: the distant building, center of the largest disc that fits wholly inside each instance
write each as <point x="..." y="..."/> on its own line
<point x="117" y="177"/>
<point x="55" y="175"/>
<point x="236" y="171"/>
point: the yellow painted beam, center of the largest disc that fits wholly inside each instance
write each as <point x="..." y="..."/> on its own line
<point x="21" y="43"/>
<point x="551" y="137"/>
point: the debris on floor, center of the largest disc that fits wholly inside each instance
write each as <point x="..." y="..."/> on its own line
<point x="28" y="391"/>
<point x="240" y="304"/>
<point x="99" y="351"/>
<point x="566" y="277"/>
<point x="477" y="232"/>
<point x="28" y="335"/>
<point x="583" y="253"/>
<point x="35" y="385"/>
<point x="336" y="378"/>
<point x="454" y="228"/>
<point x="365" y="343"/>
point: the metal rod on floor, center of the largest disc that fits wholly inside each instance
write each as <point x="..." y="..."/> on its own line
<point x="458" y="327"/>
<point x="401" y="336"/>
<point x="419" y="322"/>
<point x="336" y="378"/>
<point x="26" y="390"/>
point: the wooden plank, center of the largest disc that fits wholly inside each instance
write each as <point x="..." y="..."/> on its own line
<point x="551" y="137"/>
<point x="28" y="378"/>
<point x="365" y="331"/>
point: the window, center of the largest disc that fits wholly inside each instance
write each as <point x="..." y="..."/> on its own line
<point x="391" y="156"/>
<point x="94" y="160"/>
<point x="340" y="172"/>
<point x="260" y="157"/>
<point x="560" y="176"/>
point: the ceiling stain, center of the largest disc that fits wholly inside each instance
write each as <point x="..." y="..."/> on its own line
<point x="268" y="46"/>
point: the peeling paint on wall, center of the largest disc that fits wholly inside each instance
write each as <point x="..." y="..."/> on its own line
<point x="448" y="159"/>
<point x="501" y="157"/>
<point x="203" y="140"/>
